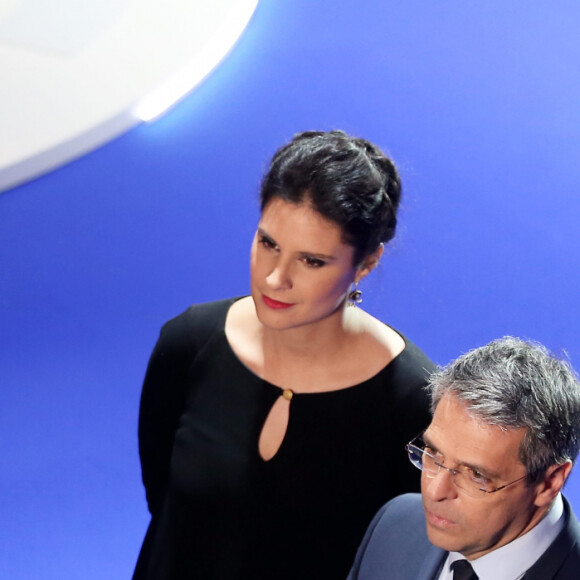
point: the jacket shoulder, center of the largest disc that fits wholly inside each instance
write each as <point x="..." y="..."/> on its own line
<point x="396" y="543"/>
<point x="561" y="561"/>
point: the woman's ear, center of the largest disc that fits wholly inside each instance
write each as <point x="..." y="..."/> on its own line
<point x="369" y="263"/>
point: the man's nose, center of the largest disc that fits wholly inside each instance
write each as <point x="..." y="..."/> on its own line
<point x="439" y="486"/>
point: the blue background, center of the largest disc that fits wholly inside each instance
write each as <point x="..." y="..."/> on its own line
<point x="478" y="104"/>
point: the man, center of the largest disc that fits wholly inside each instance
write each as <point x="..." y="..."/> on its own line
<point x="504" y="434"/>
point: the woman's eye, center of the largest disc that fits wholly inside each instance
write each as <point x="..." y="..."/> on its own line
<point x="314" y="262"/>
<point x="267" y="243"/>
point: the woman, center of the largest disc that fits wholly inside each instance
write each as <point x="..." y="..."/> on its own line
<point x="272" y="427"/>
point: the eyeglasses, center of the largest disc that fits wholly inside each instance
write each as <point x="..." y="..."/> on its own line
<point x="468" y="479"/>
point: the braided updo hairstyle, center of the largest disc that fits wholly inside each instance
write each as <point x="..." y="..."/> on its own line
<point x="348" y="181"/>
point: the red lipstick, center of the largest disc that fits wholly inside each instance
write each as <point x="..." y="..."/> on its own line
<point x="275" y="304"/>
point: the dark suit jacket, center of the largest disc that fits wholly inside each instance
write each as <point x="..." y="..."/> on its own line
<point x="396" y="547"/>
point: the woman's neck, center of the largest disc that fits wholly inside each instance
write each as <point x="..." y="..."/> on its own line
<point x="321" y="338"/>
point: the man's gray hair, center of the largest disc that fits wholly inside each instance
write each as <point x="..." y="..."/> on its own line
<point x="512" y="383"/>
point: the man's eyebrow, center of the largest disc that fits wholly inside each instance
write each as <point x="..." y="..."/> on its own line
<point x="473" y="466"/>
<point x="428" y="442"/>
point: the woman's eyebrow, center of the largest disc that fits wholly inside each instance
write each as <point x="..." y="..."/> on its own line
<point x="305" y="254"/>
<point x="324" y="257"/>
<point x="264" y="233"/>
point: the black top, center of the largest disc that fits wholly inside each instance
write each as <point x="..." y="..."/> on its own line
<point x="219" y="511"/>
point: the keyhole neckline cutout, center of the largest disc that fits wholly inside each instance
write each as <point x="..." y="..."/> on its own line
<point x="275" y="426"/>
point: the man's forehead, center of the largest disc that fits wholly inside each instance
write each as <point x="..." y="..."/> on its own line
<point x="459" y="435"/>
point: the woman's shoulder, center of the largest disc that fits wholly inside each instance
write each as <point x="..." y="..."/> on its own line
<point x="408" y="365"/>
<point x="414" y="360"/>
<point x="196" y="324"/>
<point x="374" y="338"/>
<point x="243" y="331"/>
<point x="200" y="314"/>
<point x="409" y="372"/>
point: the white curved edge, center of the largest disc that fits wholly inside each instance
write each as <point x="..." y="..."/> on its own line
<point x="59" y="155"/>
<point x="149" y="108"/>
<point x="165" y="96"/>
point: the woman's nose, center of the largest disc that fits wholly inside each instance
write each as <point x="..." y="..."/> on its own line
<point x="279" y="278"/>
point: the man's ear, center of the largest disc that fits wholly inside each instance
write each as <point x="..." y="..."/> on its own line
<point x="369" y="263"/>
<point x="552" y="483"/>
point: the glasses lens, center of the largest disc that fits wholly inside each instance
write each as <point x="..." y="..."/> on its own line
<point x="421" y="459"/>
<point x="469" y="485"/>
<point x="415" y="456"/>
<point x="470" y="482"/>
<point x="428" y="463"/>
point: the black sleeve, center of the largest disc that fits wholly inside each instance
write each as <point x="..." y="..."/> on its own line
<point x="168" y="382"/>
<point x="162" y="400"/>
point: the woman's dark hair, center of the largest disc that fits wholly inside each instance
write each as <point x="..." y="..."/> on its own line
<point x="349" y="181"/>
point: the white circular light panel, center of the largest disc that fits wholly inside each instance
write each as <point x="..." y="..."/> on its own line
<point x="76" y="73"/>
